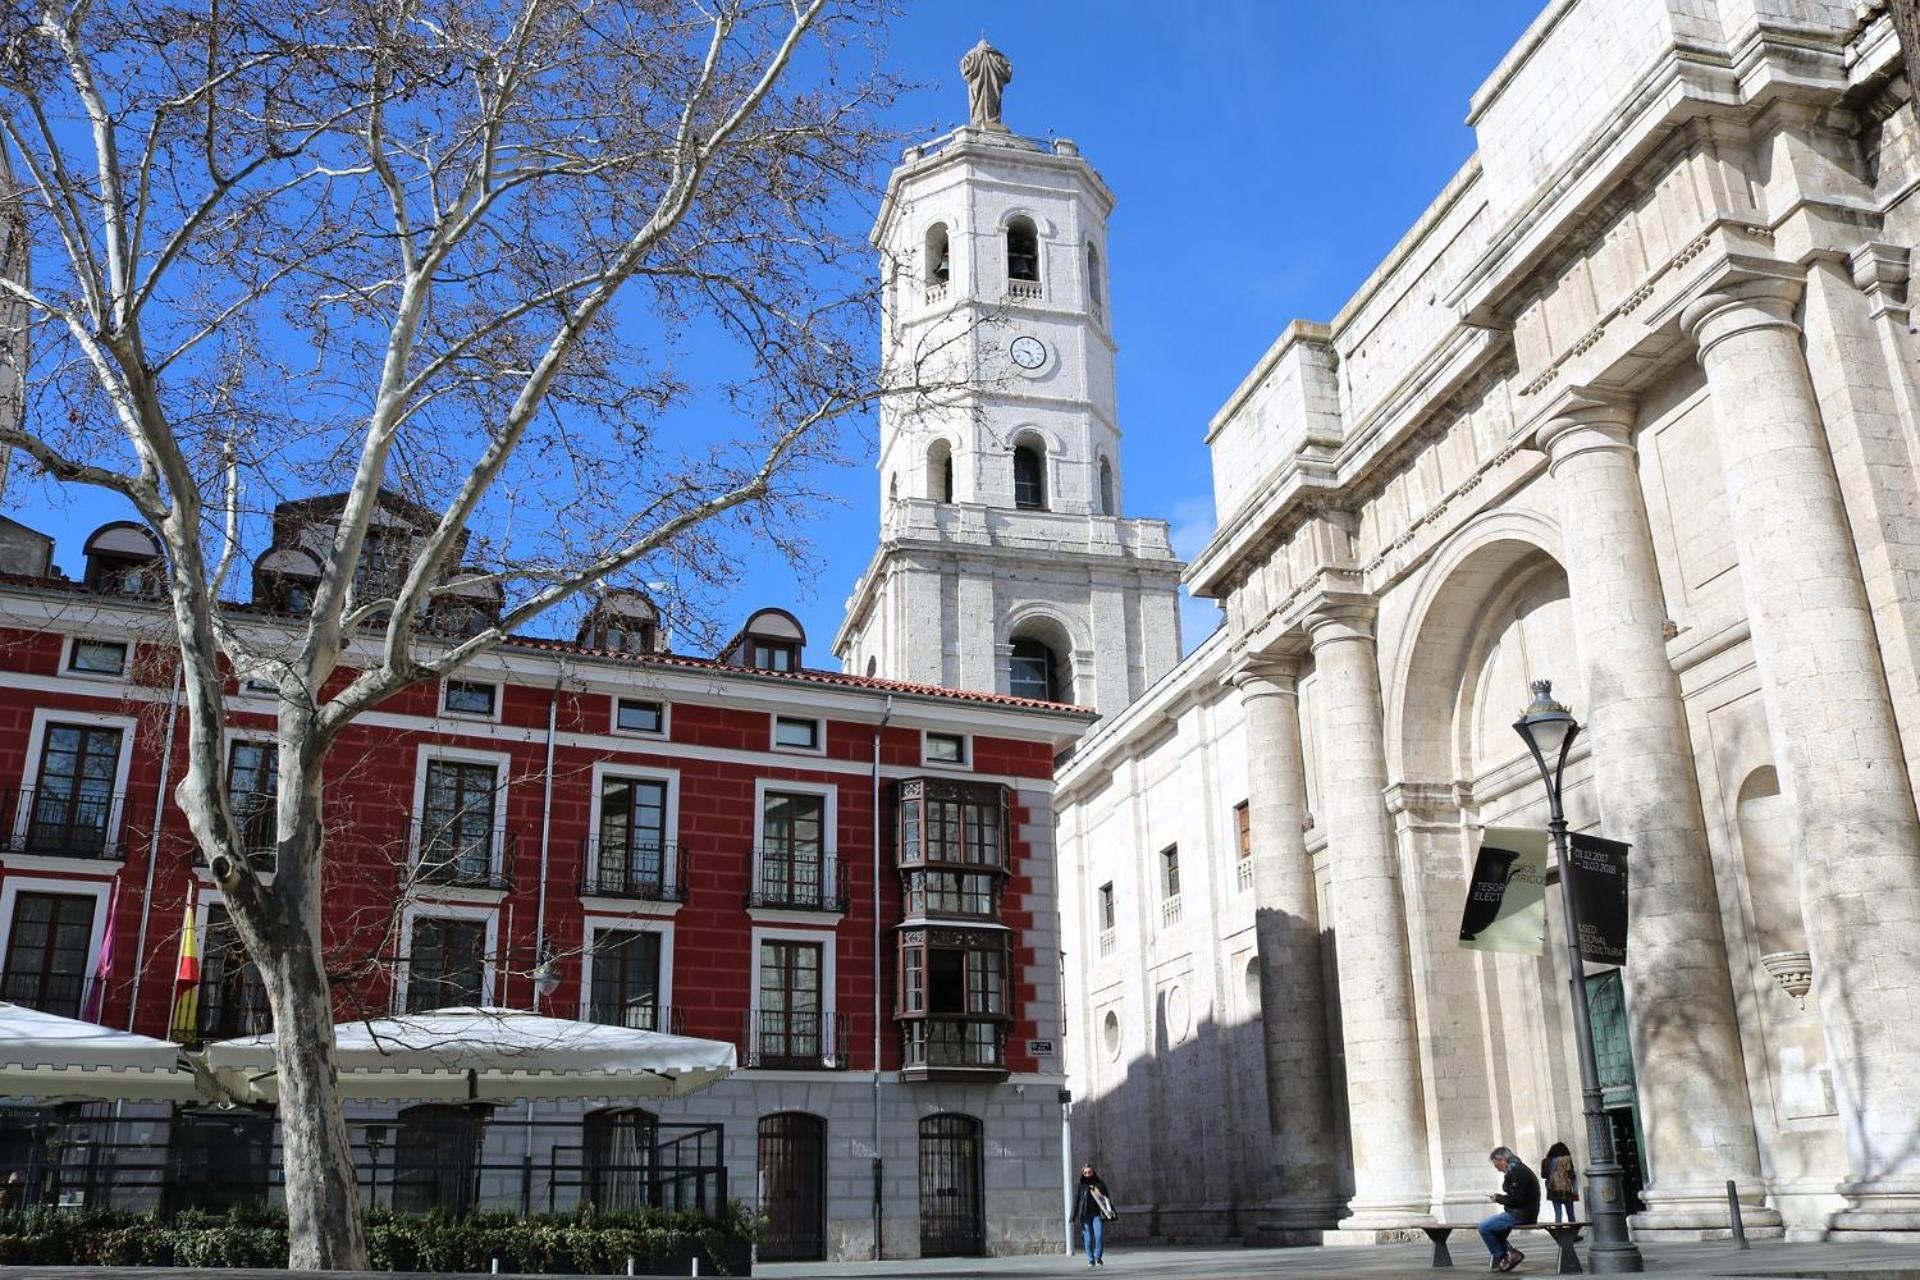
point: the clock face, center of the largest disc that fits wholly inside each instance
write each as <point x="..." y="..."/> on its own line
<point x="1028" y="352"/>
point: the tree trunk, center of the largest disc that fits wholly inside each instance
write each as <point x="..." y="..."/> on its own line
<point x="323" y="1197"/>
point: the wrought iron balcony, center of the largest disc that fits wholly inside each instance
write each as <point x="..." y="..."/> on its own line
<point x="450" y="861"/>
<point x="780" y="1039"/>
<point x="634" y="1015"/>
<point x="234" y="1008"/>
<point x="71" y="995"/>
<point x="790" y="880"/>
<point x="54" y="822"/>
<point x="645" y="871"/>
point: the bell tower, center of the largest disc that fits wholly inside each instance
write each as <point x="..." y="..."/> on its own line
<point x="1004" y="562"/>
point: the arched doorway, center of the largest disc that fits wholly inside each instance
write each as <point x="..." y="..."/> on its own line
<point x="793" y="1179"/>
<point x="953" y="1220"/>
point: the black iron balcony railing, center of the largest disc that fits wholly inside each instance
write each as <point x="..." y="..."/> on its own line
<point x="780" y="1039"/>
<point x="633" y="1014"/>
<point x="426" y="991"/>
<point x="71" y="995"/>
<point x="256" y="819"/>
<point x="462" y="862"/>
<point x="794" y="880"/>
<point x="643" y="870"/>
<point x="942" y="1042"/>
<point x="55" y="822"/>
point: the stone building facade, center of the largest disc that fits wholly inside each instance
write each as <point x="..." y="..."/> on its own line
<point x="1004" y="562"/>
<point x="1633" y="406"/>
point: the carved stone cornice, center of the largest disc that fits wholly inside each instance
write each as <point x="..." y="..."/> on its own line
<point x="1882" y="272"/>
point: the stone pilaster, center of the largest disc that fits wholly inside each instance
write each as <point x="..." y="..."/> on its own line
<point x="1388" y="1122"/>
<point x="1300" y="1106"/>
<point x="1694" y="1106"/>
<point x="1834" y="736"/>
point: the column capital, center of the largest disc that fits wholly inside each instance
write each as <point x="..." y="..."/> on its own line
<point x="1741" y="306"/>
<point x="1583" y="419"/>
<point x="1265" y="674"/>
<point x="1333" y="617"/>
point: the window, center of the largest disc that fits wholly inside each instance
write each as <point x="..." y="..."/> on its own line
<point x="631" y="715"/>
<point x="73" y="811"/>
<point x="1029" y="479"/>
<point x="1170" y="871"/>
<point x="456" y="844"/>
<point x="470" y="698"/>
<point x="47" y="952"/>
<point x="939" y="257"/>
<point x="965" y="827"/>
<point x="940" y="471"/>
<point x="233" y="1000"/>
<point x="1106" y="487"/>
<point x="1093" y="278"/>
<point x="1243" y="852"/>
<point x="435" y="1158"/>
<point x="447" y="964"/>
<point x="253" y="790"/>
<point x="622" y="1152"/>
<point x="790" y="1019"/>
<point x="953" y="996"/>
<point x="796" y="734"/>
<point x="1032" y="672"/>
<point x="376" y="574"/>
<point x="946" y="748"/>
<point x="631" y="859"/>
<point x="794" y="868"/>
<point x="953" y="893"/>
<point x="1106" y="906"/>
<point x="773" y="655"/>
<point x="626" y="980"/>
<point x="98" y="657"/>
<point x="1023" y="250"/>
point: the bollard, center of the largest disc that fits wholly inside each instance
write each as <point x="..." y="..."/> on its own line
<point x="495" y="1269"/>
<point x="629" y="1264"/>
<point x="1733" y="1215"/>
<point x="696" y="1266"/>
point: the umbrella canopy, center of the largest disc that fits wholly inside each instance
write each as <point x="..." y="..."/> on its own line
<point x="488" y="1055"/>
<point x="54" y="1059"/>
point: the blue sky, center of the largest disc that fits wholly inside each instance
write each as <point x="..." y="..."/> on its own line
<point x="1265" y="153"/>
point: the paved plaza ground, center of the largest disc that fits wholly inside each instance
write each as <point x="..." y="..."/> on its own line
<point x="1390" y="1262"/>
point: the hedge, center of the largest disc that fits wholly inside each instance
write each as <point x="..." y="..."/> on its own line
<point x="556" y="1244"/>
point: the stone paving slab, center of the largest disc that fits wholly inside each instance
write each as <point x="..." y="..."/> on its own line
<point x="1765" y="1261"/>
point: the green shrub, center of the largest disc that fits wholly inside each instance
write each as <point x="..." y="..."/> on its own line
<point x="586" y="1242"/>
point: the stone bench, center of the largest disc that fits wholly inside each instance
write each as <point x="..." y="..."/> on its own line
<point x="1563" y="1234"/>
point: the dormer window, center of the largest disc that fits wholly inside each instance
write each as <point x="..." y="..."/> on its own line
<point x="124" y="559"/>
<point x="1023" y="250"/>
<point x="772" y="640"/>
<point x="624" y="621"/>
<point x="773" y="655"/>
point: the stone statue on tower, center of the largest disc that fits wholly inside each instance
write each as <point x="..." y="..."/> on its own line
<point x="987" y="72"/>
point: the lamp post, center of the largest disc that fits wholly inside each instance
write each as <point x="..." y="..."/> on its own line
<point x="1548" y="729"/>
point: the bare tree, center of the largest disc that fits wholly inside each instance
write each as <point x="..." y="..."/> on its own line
<point x="455" y="251"/>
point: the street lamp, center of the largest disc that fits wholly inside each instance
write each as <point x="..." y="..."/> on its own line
<point x="1548" y="729"/>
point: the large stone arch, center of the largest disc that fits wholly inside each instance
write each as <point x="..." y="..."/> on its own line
<point x="1425" y="685"/>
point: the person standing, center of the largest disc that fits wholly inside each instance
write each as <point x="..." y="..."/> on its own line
<point x="1519" y="1201"/>
<point x="1557" y="1176"/>
<point x="1092" y="1207"/>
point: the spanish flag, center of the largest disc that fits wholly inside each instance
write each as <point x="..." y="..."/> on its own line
<point x="186" y="983"/>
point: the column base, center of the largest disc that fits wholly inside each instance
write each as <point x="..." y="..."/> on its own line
<point x="1288" y="1223"/>
<point x="1880" y="1205"/>
<point x="1699" y="1212"/>
<point x="1382" y="1220"/>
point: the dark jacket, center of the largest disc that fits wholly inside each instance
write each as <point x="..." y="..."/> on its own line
<point x="1520" y="1192"/>
<point x="1084" y="1209"/>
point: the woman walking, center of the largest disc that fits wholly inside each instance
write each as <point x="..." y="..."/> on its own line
<point x="1557" y="1176"/>
<point x="1091" y="1209"/>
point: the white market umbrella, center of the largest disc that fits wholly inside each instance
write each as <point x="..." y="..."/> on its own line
<point x="487" y="1055"/>
<point x="54" y="1059"/>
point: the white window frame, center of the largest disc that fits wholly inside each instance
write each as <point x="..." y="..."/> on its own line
<point x="826" y="939"/>
<point x="605" y="769"/>
<point x="72" y="642"/>
<point x="594" y="925"/>
<point x="486" y="912"/>
<point x="966" y="749"/>
<point x="101" y="891"/>
<point x="829" y="846"/>
<point x="491" y="717"/>
<point x="651" y="735"/>
<point x="819" y="747"/>
<point x="432" y="751"/>
<point x="44" y="718"/>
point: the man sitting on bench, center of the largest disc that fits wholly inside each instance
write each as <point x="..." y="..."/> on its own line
<point x="1519" y="1202"/>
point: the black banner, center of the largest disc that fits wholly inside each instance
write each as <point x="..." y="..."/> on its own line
<point x="1597" y="875"/>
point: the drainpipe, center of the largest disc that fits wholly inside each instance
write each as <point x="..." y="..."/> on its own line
<point x="546" y="838"/>
<point x="153" y="849"/>
<point x="885" y="715"/>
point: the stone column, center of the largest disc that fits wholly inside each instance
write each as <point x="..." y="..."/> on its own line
<point x="1834" y="737"/>
<point x="1694" y="1106"/>
<point x="1293" y="1007"/>
<point x="1388" y="1126"/>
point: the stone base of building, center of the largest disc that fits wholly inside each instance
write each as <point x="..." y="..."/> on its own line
<point x="1695" y="1213"/>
